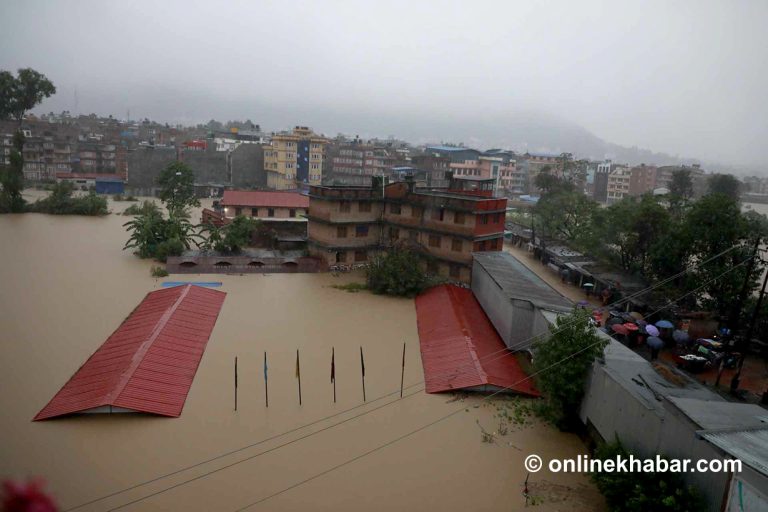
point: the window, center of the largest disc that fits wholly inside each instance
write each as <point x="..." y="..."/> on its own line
<point x="496" y="218"/>
<point x="413" y="235"/>
<point x="394" y="209"/>
<point x="341" y="231"/>
<point x="344" y="207"/>
<point x="484" y="219"/>
<point x="341" y="257"/>
<point x="482" y="245"/>
<point x="291" y="212"/>
<point x="364" y="207"/>
<point x="270" y="212"/>
<point x="415" y="212"/>
<point x="394" y="233"/>
<point x="254" y="212"/>
<point x="360" y="256"/>
<point x="238" y="211"/>
<point x="458" y="218"/>
<point x="434" y="241"/>
<point x="456" y="244"/>
<point x="455" y="271"/>
<point x="361" y="231"/>
<point x="438" y="214"/>
<point x="432" y="268"/>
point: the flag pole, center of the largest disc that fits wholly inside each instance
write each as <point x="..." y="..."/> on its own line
<point x="362" y="369"/>
<point x="266" y="381"/>
<point x="298" y="373"/>
<point x="402" y="372"/>
<point x="333" y="372"/>
<point x="235" y="382"/>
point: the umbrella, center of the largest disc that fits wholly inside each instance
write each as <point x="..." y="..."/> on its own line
<point x="641" y="323"/>
<point x="588" y="285"/>
<point x="680" y="336"/>
<point x="614" y="313"/>
<point x="630" y="327"/>
<point x="614" y="321"/>
<point x="665" y="324"/>
<point x="651" y="330"/>
<point x="619" y="329"/>
<point x="583" y="303"/>
<point x="654" y="342"/>
<point x="636" y="315"/>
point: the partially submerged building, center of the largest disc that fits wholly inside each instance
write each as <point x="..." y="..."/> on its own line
<point x="148" y="364"/>
<point x="350" y="225"/>
<point x="519" y="303"/>
<point x="626" y="397"/>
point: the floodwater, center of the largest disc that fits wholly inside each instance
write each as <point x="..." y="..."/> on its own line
<point x="66" y="285"/>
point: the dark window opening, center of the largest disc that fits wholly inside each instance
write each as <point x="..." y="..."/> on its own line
<point x="341" y="231"/>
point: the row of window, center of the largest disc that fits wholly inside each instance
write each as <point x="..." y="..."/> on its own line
<point x="361" y="231"/>
<point x="454" y="270"/>
<point x="362" y="207"/>
<point x="269" y="211"/>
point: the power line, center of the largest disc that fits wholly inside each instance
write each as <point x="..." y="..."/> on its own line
<point x="505" y="352"/>
<point x="457" y="411"/>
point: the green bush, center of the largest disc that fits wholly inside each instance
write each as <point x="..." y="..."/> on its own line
<point x="158" y="272"/>
<point x="147" y="207"/>
<point x="397" y="272"/>
<point x="639" y="492"/>
<point x="61" y="202"/>
<point x="172" y="247"/>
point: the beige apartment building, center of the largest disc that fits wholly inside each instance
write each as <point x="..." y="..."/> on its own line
<point x="295" y="160"/>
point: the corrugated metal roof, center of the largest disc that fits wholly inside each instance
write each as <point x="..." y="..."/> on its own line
<point x="149" y="362"/>
<point x="749" y="446"/>
<point x="459" y="346"/>
<point x="518" y="282"/>
<point x="264" y="199"/>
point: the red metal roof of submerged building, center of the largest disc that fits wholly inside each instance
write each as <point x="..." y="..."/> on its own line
<point x="264" y="199"/>
<point x="148" y="363"/>
<point x="460" y="348"/>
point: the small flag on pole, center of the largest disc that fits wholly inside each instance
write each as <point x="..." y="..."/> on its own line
<point x="266" y="381"/>
<point x="298" y="373"/>
<point x="333" y="372"/>
<point x="362" y="368"/>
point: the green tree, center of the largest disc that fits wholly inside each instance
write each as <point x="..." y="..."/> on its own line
<point x="18" y="95"/>
<point x="147" y="233"/>
<point x="62" y="202"/>
<point x="712" y="225"/>
<point x="680" y="189"/>
<point x="725" y="184"/>
<point x="630" y="491"/>
<point x="397" y="271"/>
<point x="562" y="361"/>
<point x="177" y="183"/>
<point x="566" y="215"/>
<point x="236" y="235"/>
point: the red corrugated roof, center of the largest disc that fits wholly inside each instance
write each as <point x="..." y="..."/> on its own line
<point x="459" y="346"/>
<point x="149" y="362"/>
<point x="264" y="199"/>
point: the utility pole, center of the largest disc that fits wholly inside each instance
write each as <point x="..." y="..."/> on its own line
<point x="745" y="343"/>
<point x="733" y="319"/>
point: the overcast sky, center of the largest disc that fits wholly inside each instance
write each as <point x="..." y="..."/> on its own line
<point x="685" y="77"/>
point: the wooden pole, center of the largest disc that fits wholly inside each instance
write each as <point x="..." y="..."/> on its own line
<point x="235" y="382"/>
<point x="333" y="372"/>
<point x="298" y="373"/>
<point x="362" y="368"/>
<point x="266" y="381"/>
<point x="402" y="373"/>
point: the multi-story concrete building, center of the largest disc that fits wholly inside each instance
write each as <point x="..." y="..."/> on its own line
<point x="295" y="160"/>
<point x="437" y="169"/>
<point x="600" y="188"/>
<point x="352" y="224"/>
<point x="357" y="163"/>
<point x="618" y="184"/>
<point x="642" y="179"/>
<point x="495" y="164"/>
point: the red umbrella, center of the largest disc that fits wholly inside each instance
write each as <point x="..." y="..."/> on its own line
<point x="620" y="328"/>
<point x="630" y="326"/>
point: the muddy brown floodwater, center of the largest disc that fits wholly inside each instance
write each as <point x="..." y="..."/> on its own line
<point x="66" y="285"/>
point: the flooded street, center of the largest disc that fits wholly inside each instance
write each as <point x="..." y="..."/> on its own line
<point x="66" y="285"/>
